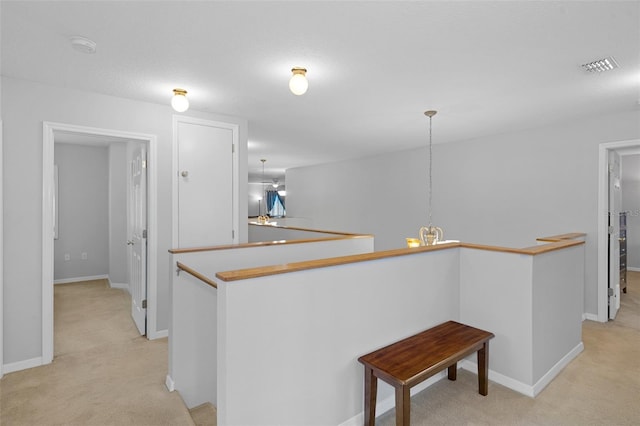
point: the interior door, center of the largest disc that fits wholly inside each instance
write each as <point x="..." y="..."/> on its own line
<point x="205" y="185"/>
<point x="615" y="207"/>
<point x="138" y="241"/>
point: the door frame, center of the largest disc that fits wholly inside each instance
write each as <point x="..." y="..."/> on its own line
<point x="48" y="129"/>
<point x="1" y="257"/>
<point x="603" y="228"/>
<point x="235" y="192"/>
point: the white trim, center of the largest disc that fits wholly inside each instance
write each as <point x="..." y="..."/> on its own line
<point x="48" y="129"/>
<point x="501" y="379"/>
<point x="169" y="383"/>
<point x="556" y="369"/>
<point x="160" y="334"/>
<point x="1" y="259"/>
<point x="47" y="242"/>
<point x="389" y="403"/>
<point x="79" y="279"/>
<point x="23" y="365"/>
<point x="590" y="317"/>
<point x="603" y="196"/>
<point x="523" y="388"/>
<point x="235" y="132"/>
<point x="632" y="269"/>
<point x="122" y="286"/>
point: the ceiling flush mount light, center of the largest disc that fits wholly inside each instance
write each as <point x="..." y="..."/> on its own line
<point x="83" y="44"/>
<point x="179" y="102"/>
<point x="429" y="235"/>
<point x="601" y="65"/>
<point x="298" y="84"/>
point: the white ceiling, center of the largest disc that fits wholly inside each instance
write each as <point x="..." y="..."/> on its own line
<point x="373" y="67"/>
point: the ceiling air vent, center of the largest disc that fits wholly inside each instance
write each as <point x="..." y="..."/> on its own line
<point x="601" y="65"/>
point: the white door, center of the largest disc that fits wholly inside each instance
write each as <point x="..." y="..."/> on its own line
<point x="205" y="185"/>
<point x="138" y="241"/>
<point x="615" y="207"/>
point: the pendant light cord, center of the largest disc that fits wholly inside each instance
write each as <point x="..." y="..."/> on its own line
<point x="264" y="191"/>
<point x="430" y="172"/>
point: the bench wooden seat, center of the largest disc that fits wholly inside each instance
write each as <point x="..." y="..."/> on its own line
<point x="412" y="360"/>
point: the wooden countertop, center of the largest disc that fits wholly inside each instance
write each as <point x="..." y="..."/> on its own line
<point x="241" y="274"/>
<point x="337" y="236"/>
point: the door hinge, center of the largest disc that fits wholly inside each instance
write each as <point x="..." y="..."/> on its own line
<point x="144" y="233"/>
<point x="144" y="164"/>
<point x="233" y="148"/>
<point x="610" y="292"/>
<point x="144" y="304"/>
<point x="233" y="234"/>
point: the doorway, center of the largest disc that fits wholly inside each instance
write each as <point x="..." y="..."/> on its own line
<point x="50" y="130"/>
<point x="607" y="152"/>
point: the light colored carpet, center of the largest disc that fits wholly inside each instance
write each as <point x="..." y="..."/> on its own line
<point x="600" y="387"/>
<point x="103" y="373"/>
<point x="204" y="415"/>
<point x="106" y="374"/>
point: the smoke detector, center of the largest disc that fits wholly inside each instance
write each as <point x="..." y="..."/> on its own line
<point x="83" y="44"/>
<point x="601" y="65"/>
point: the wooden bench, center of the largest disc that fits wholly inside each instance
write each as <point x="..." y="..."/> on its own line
<point x="412" y="360"/>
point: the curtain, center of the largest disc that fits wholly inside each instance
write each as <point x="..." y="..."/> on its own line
<point x="275" y="203"/>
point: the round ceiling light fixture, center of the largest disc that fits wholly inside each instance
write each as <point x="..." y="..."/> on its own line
<point x="83" y="44"/>
<point x="179" y="102"/>
<point x="298" y="84"/>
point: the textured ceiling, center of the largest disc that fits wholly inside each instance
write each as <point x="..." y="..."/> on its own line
<point x="373" y="67"/>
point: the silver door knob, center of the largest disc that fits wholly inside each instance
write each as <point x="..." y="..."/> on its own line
<point x="184" y="173"/>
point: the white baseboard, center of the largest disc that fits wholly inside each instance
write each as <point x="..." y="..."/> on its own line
<point x="590" y="317"/>
<point x="22" y="365"/>
<point x="123" y="286"/>
<point x="390" y="402"/>
<point x="501" y="379"/>
<point x="169" y="383"/>
<point x="632" y="269"/>
<point x="556" y="369"/>
<point x="78" y="279"/>
<point x="523" y="388"/>
<point x="157" y="335"/>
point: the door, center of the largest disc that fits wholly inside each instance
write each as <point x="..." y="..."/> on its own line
<point x="205" y="185"/>
<point x="138" y="241"/>
<point x="615" y="207"/>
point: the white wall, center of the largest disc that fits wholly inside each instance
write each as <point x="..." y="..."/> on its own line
<point x="383" y="195"/>
<point x="310" y="327"/>
<point x="118" y="172"/>
<point x="502" y="190"/>
<point x="83" y="208"/>
<point x="31" y="104"/>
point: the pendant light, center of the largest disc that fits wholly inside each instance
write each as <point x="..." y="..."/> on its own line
<point x="263" y="218"/>
<point x="429" y="235"/>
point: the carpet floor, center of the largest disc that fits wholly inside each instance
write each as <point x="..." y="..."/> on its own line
<point x="600" y="387"/>
<point x="105" y="373"/>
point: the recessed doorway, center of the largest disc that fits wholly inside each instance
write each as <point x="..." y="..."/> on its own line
<point x="93" y="136"/>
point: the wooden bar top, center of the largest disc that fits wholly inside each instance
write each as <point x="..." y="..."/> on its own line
<point x="243" y="274"/>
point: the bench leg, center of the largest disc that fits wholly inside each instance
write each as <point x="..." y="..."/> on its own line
<point x="453" y="371"/>
<point x="483" y="369"/>
<point x="403" y="406"/>
<point x="370" y="394"/>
